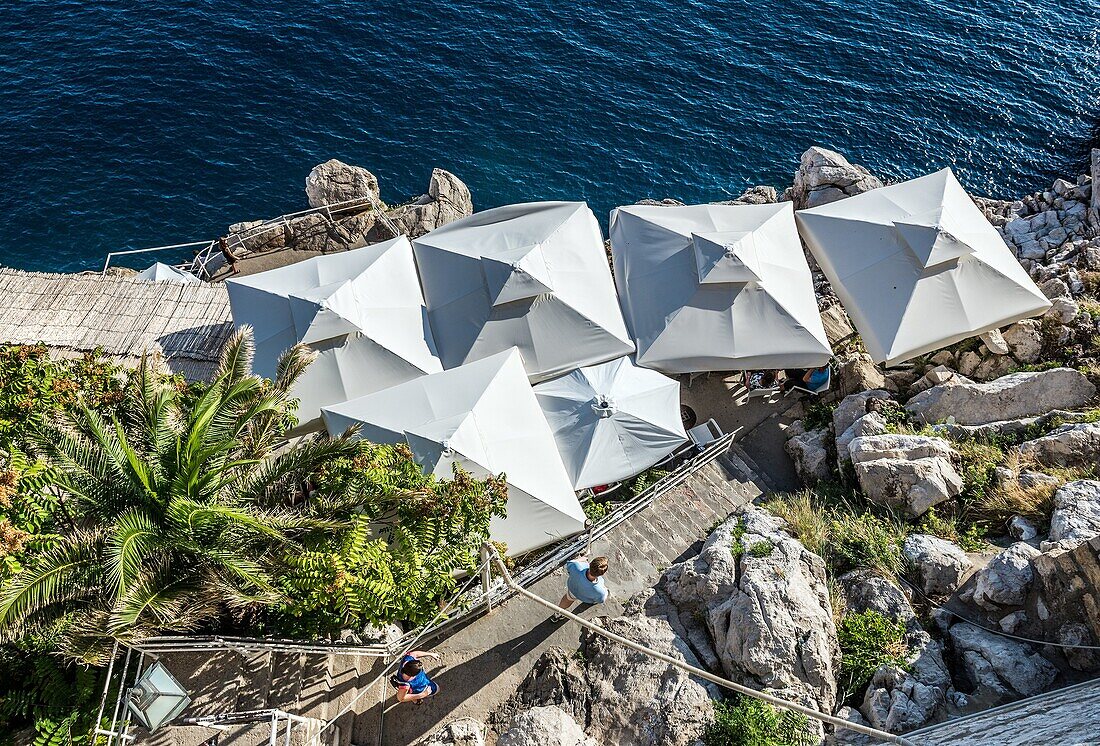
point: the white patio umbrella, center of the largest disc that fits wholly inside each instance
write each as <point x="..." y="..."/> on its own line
<point x="918" y="267"/>
<point x="484" y="417"/>
<point x="532" y="276"/>
<point x="612" y="421"/>
<point x="362" y="312"/>
<point x="716" y="287"/>
<point x="160" y="272"/>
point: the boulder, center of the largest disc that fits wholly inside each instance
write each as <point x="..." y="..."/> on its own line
<point x="622" y="697"/>
<point x="756" y="195"/>
<point x="1068" y="445"/>
<point x="1063" y="310"/>
<point x="1006" y="580"/>
<point x="852" y="737"/>
<point x="866" y="590"/>
<point x="993" y="366"/>
<point x="447" y="200"/>
<point x="810" y="454"/>
<point x="995" y="342"/>
<point x="996" y="668"/>
<point x="837" y="324"/>
<point x="941" y="374"/>
<point x="1082" y="653"/>
<point x="544" y="726"/>
<point x="1022" y="529"/>
<point x="1076" y="514"/>
<point x="1025" y="340"/>
<point x="825" y="176"/>
<point x="1009" y="397"/>
<point x="905" y="472"/>
<point x="335" y="181"/>
<point x="938" y="564"/>
<point x="871" y="423"/>
<point x="1068" y="583"/>
<point x="764" y="600"/>
<point x="464" y="732"/>
<point x="856" y="371"/>
<point x="897" y="701"/>
<point x="854" y="406"/>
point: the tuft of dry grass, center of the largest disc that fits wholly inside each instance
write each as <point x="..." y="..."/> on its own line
<point x="806" y="518"/>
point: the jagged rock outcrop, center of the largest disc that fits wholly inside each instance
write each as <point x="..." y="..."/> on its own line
<point x="1006" y="580"/>
<point x="866" y="590"/>
<point x="905" y="472"/>
<point x="825" y="176"/>
<point x="938" y="564"/>
<point x="763" y="599"/>
<point x="1067" y="608"/>
<point x="996" y="668"/>
<point x="353" y="226"/>
<point x="618" y="695"/>
<point x="334" y="181"/>
<point x="1025" y="340"/>
<point x="871" y="423"/>
<point x="1068" y="445"/>
<point x="855" y="372"/>
<point x="544" y="726"/>
<point x="447" y="200"/>
<point x="1076" y="514"/>
<point x="1013" y="396"/>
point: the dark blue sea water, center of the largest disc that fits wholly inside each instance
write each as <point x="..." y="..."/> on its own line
<point x="127" y="124"/>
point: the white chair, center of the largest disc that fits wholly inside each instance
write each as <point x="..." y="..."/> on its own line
<point x="705" y="434"/>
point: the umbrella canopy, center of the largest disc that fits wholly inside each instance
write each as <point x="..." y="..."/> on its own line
<point x="161" y="272"/>
<point x="532" y="276"/>
<point x="362" y="312"/>
<point x="484" y="417"/>
<point x="716" y="287"/>
<point x="918" y="267"/>
<point x="612" y="420"/>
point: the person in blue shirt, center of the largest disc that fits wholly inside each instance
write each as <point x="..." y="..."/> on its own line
<point x="412" y="684"/>
<point x="812" y="378"/>
<point x="584" y="583"/>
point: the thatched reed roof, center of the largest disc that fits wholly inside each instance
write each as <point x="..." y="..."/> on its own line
<point x="75" y="313"/>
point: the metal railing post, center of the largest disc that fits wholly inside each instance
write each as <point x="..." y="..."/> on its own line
<point x="486" y="579"/>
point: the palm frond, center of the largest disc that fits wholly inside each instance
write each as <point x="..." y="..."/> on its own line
<point x="235" y="362"/>
<point x="56" y="575"/>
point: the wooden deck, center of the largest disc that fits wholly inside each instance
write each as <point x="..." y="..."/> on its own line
<point x="125" y="317"/>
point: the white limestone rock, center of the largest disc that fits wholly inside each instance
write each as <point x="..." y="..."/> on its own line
<point x="854" y="406"/>
<point x="825" y="176"/>
<point x="999" y="669"/>
<point x="939" y="565"/>
<point x="995" y="342"/>
<point x="1025" y="340"/>
<point x="464" y="732"/>
<point x="871" y="423"/>
<point x="810" y="454"/>
<point x="1076" y="514"/>
<point x="906" y="472"/>
<point x="1006" y="580"/>
<point x="545" y="726"/>
<point x="335" y="181"/>
<point x="1068" y="445"/>
<point x="768" y="612"/>
<point x="1014" y="396"/>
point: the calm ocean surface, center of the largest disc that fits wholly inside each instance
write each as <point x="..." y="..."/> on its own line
<point x="125" y="125"/>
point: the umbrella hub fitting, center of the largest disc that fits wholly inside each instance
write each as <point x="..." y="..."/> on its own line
<point x="448" y="451"/>
<point x="603" y="405"/>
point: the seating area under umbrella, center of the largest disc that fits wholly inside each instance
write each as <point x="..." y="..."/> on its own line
<point x="612" y="420"/>
<point x="362" y="312"/>
<point x="918" y="267"/>
<point x="716" y="288"/>
<point x="532" y="276"/>
<point x="484" y="417"/>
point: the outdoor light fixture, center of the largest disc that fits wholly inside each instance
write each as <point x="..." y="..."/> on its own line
<point x="156" y="698"/>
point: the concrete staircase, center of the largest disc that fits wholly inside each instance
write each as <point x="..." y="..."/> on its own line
<point x="483" y="662"/>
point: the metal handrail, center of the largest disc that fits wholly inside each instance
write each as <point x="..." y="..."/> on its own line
<point x="198" y="266"/>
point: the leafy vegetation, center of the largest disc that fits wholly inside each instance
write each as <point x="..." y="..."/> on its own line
<point x="746" y="721"/>
<point x="132" y="503"/>
<point x="819" y="415"/>
<point x="971" y="538"/>
<point x="639" y="484"/>
<point x="868" y="640"/>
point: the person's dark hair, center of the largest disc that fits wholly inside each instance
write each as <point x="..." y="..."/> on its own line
<point x="412" y="668"/>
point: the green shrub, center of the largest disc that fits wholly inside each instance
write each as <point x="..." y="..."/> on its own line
<point x="737" y="547"/>
<point x="971" y="536"/>
<point x="865" y="540"/>
<point x="819" y="415"/>
<point x="596" y="511"/>
<point x="639" y="484"/>
<point x="746" y="721"/>
<point x="761" y="548"/>
<point x="979" y="462"/>
<point x="894" y="413"/>
<point x="868" y="640"/>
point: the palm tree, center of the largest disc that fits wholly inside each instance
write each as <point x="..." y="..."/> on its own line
<point x="176" y="512"/>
